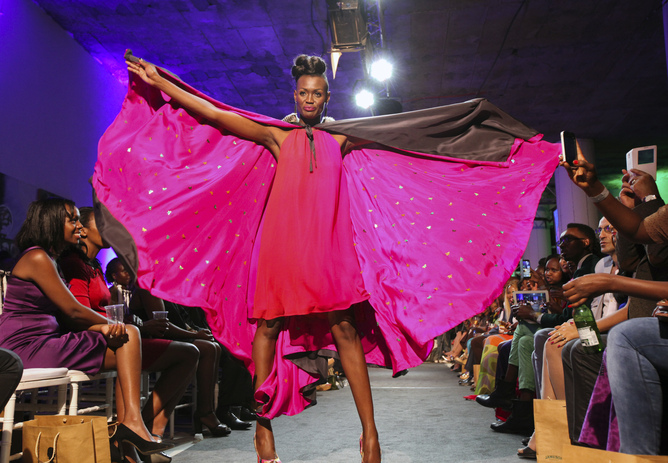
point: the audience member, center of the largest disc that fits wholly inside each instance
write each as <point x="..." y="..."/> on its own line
<point x="175" y="361"/>
<point x="637" y="348"/>
<point x="36" y="295"/>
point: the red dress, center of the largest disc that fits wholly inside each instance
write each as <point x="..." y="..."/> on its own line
<point x="89" y="288"/>
<point x="307" y="262"/>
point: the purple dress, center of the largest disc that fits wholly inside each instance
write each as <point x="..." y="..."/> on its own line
<point x="28" y="326"/>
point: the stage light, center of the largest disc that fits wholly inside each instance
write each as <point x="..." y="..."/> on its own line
<point x="364" y="99"/>
<point x="381" y="70"/>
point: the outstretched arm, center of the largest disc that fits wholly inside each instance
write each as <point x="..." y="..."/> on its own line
<point x="580" y="289"/>
<point x="625" y="220"/>
<point x="270" y="137"/>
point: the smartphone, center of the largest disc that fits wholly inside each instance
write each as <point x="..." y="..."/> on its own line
<point x="526" y="268"/>
<point x="569" y="149"/>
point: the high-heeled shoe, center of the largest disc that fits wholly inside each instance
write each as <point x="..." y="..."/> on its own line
<point x="264" y="460"/>
<point x="143" y="446"/>
<point x="361" y="445"/>
<point x="217" y="430"/>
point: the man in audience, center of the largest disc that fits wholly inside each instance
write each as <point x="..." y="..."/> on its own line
<point x="580" y="247"/>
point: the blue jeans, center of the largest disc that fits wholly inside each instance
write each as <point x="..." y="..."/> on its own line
<point x="637" y="358"/>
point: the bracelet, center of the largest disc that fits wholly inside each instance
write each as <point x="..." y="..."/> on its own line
<point x="601" y="196"/>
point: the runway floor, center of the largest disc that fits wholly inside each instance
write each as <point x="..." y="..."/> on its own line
<point x="421" y="417"/>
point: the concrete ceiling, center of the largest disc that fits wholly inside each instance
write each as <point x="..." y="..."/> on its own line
<point x="595" y="67"/>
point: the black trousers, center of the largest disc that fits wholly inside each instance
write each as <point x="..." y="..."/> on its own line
<point x="11" y="369"/>
<point x="580" y="374"/>
<point x="236" y="384"/>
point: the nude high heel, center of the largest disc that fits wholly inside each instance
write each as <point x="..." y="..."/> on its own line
<point x="264" y="460"/>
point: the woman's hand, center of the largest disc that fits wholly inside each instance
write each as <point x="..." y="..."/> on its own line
<point x="146" y="71"/>
<point x="583" y="174"/>
<point x="155" y="328"/>
<point x="579" y="290"/>
<point x="205" y="335"/>
<point x="115" y="334"/>
<point x="563" y="333"/>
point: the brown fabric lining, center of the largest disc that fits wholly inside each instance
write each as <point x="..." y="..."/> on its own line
<point x="474" y="129"/>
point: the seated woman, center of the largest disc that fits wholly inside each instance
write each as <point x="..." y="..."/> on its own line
<point x="488" y="360"/>
<point x="192" y="321"/>
<point x="144" y="305"/>
<point x="36" y="296"/>
<point x="176" y="362"/>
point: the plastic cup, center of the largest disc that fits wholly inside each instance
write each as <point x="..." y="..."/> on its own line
<point x="114" y="313"/>
<point x="160" y="314"/>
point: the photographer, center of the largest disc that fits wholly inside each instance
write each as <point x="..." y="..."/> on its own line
<point x="637" y="348"/>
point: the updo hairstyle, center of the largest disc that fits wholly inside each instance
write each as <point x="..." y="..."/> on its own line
<point x="305" y="65"/>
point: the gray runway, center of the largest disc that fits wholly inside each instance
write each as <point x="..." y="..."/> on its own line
<point x="421" y="417"/>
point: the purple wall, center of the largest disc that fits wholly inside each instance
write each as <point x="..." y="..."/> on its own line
<point x="55" y="103"/>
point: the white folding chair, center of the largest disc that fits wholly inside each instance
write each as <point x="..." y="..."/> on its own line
<point x="102" y="400"/>
<point x="32" y="380"/>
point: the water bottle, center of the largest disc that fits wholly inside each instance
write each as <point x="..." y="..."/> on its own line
<point x="590" y="336"/>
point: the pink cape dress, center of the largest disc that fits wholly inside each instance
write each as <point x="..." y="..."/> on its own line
<point x="434" y="238"/>
<point x="307" y="262"/>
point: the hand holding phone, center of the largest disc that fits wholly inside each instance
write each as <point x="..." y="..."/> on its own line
<point x="569" y="149"/>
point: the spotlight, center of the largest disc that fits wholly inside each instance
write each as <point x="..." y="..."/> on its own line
<point x="381" y="70"/>
<point x="364" y="99"/>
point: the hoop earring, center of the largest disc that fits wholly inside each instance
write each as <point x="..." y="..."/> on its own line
<point x="296" y="113"/>
<point x="325" y="113"/>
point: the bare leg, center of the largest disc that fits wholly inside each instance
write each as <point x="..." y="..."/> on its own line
<point x="264" y="350"/>
<point x="120" y="405"/>
<point x="127" y="361"/>
<point x="349" y="346"/>
<point x="555" y="368"/>
<point x="176" y="366"/>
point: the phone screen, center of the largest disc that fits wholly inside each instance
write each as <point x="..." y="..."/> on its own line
<point x="526" y="268"/>
<point x="569" y="147"/>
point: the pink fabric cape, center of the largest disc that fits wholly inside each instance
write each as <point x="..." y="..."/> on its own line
<point x="436" y="237"/>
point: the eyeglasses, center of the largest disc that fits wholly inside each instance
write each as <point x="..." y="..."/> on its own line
<point x="609" y="229"/>
<point x="566" y="239"/>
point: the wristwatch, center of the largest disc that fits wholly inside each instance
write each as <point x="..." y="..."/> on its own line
<point x="648" y="198"/>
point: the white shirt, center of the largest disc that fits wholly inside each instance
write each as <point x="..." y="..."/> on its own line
<point x="605" y="304"/>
